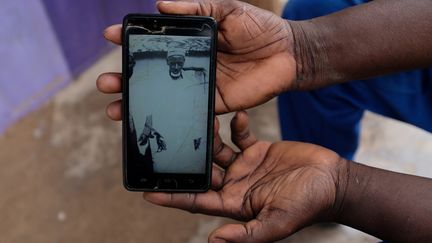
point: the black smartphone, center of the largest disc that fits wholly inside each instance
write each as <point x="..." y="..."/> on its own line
<point x="169" y="70"/>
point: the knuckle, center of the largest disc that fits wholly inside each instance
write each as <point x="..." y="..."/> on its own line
<point x="192" y="205"/>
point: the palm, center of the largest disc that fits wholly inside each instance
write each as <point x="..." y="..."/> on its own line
<point x="286" y="181"/>
<point x="278" y="188"/>
<point x="239" y="180"/>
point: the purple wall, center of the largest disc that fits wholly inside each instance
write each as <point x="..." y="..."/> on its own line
<point x="32" y="66"/>
<point x="79" y="25"/>
<point x="43" y="44"/>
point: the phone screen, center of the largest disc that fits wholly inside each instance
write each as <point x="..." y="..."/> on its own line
<point x="169" y="103"/>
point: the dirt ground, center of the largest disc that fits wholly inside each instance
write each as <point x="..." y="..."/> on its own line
<point x="61" y="179"/>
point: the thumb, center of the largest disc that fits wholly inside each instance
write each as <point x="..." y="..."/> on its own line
<point x="218" y="10"/>
<point x="241" y="136"/>
<point x="268" y="230"/>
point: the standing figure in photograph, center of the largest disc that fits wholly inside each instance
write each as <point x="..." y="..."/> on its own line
<point x="169" y="72"/>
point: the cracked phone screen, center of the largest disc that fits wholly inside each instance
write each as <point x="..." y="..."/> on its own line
<point x="168" y="99"/>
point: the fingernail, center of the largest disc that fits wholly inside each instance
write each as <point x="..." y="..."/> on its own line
<point x="218" y="240"/>
<point x="164" y="2"/>
<point x="108" y="112"/>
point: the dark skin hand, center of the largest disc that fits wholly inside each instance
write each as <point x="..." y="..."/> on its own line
<point x="254" y="52"/>
<point x="276" y="188"/>
<point x="260" y="55"/>
<point x="280" y="188"/>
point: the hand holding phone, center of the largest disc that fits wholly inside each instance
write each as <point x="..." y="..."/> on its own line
<point x="255" y="54"/>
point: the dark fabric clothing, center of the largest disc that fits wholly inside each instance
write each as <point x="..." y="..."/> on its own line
<point x="331" y="116"/>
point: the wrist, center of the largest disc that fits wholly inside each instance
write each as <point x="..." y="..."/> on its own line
<point x="285" y="69"/>
<point x="309" y="49"/>
<point x="340" y="174"/>
<point x="352" y="191"/>
<point x="344" y="173"/>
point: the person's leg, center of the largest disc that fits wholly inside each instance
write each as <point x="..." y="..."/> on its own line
<point x="406" y="97"/>
<point x="308" y="9"/>
<point x="327" y="117"/>
<point x="330" y="117"/>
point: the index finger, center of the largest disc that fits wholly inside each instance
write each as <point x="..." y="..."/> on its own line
<point x="113" y="33"/>
<point x="218" y="10"/>
<point x="206" y="203"/>
<point x="223" y="155"/>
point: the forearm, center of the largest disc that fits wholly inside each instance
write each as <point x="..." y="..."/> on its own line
<point x="391" y="206"/>
<point x="368" y="40"/>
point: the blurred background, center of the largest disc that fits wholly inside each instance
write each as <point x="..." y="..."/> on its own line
<point x="60" y="157"/>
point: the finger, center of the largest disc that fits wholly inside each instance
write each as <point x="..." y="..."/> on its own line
<point x="217" y="10"/>
<point x="114" y="109"/>
<point x="113" y="33"/>
<point x="184" y="8"/>
<point x="240" y="133"/>
<point x="223" y="155"/>
<point x="218" y="176"/>
<point x="206" y="203"/>
<point x="269" y="229"/>
<point x="109" y="83"/>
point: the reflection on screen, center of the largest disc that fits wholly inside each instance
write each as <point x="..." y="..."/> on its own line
<point x="168" y="102"/>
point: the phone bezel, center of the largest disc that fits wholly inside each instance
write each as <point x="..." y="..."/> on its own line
<point x="183" y="182"/>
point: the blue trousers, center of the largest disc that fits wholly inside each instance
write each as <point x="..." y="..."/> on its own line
<point x="331" y="116"/>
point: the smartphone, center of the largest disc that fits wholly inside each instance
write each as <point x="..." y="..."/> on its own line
<point x="169" y="69"/>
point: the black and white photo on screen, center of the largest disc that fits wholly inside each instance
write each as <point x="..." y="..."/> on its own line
<point x="168" y="104"/>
